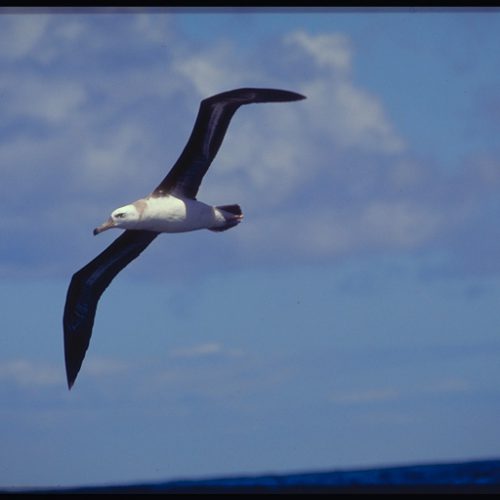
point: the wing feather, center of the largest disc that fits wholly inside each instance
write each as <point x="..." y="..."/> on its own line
<point x="211" y="124"/>
<point x="86" y="287"/>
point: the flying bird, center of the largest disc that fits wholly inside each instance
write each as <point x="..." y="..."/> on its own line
<point x="171" y="208"/>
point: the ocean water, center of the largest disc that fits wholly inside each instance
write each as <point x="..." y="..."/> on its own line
<point x="466" y="477"/>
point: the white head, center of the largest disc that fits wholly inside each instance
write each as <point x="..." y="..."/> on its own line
<point x="124" y="217"/>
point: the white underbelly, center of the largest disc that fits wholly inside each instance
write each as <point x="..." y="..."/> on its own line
<point x="169" y="214"/>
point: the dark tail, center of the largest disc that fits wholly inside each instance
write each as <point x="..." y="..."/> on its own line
<point x="232" y="209"/>
<point x="233" y="218"/>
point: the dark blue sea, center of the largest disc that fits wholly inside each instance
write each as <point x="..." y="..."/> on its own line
<point x="467" y="478"/>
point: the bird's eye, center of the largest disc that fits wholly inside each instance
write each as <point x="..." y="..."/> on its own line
<point x="121" y="215"/>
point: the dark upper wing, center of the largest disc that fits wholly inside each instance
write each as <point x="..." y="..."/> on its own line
<point x="85" y="289"/>
<point x="211" y="124"/>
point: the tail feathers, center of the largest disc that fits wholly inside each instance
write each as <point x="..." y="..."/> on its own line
<point x="232" y="209"/>
<point x="232" y="215"/>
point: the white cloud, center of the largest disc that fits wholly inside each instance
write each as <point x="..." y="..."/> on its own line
<point x="399" y="224"/>
<point x="364" y="122"/>
<point x="115" y="156"/>
<point x="72" y="30"/>
<point x="20" y="35"/>
<point x="48" y="100"/>
<point x="38" y="93"/>
<point x="328" y="232"/>
<point x="154" y="28"/>
<point x="28" y="373"/>
<point x="351" y="116"/>
<point x="382" y="394"/>
<point x="213" y="70"/>
<point x="332" y="50"/>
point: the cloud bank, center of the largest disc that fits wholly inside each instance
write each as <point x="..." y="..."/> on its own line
<point x="96" y="108"/>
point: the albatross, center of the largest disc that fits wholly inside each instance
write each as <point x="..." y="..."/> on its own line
<point x="171" y="208"/>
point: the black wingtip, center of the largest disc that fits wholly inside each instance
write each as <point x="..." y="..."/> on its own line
<point x="75" y="348"/>
<point x="71" y="375"/>
<point x="247" y="95"/>
<point x="297" y="96"/>
<point x="281" y="95"/>
<point x="275" y="95"/>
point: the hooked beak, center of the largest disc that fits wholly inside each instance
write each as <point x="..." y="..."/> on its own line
<point x="107" y="225"/>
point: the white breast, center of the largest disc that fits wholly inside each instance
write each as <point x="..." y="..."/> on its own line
<point x="169" y="214"/>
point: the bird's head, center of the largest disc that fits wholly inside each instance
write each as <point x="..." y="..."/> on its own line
<point x="124" y="217"/>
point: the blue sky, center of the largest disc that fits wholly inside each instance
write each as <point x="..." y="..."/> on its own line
<point x="351" y="320"/>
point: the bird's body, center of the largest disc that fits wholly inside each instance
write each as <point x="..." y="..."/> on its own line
<point x="171" y="214"/>
<point x="171" y="208"/>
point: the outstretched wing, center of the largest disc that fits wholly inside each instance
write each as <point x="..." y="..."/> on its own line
<point x="85" y="289"/>
<point x="211" y="124"/>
